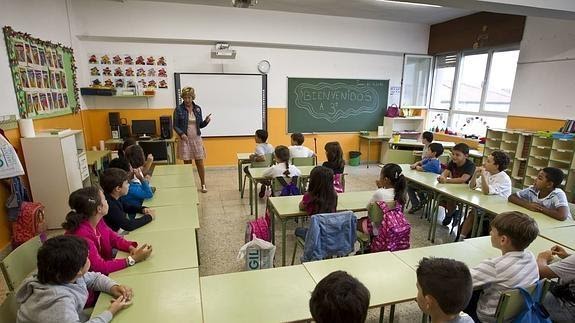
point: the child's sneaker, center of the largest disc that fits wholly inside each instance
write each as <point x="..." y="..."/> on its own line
<point x="262" y="191"/>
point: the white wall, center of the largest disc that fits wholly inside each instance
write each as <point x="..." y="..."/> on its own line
<point x="545" y="78"/>
<point x="44" y="19"/>
<point x="297" y="45"/>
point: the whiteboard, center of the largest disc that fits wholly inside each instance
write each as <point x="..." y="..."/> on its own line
<point x="237" y="102"/>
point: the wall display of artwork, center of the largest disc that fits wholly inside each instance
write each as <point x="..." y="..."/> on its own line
<point x="128" y="71"/>
<point x="44" y="75"/>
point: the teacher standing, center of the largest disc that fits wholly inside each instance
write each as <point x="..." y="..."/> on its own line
<point x="187" y="124"/>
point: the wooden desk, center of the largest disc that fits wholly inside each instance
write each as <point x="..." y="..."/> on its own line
<point x="173" y="250"/>
<point x="243" y="158"/>
<point x="287" y="207"/>
<point x="170" y="143"/>
<point x="538" y="245"/>
<point x="369" y="138"/>
<point x="169" y="296"/>
<point x="464" y="252"/>
<point x="391" y="154"/>
<point x="180" y="169"/>
<point x="564" y="236"/>
<point x="256" y="175"/>
<point x="268" y="295"/>
<point x="174" y="196"/>
<point x="173" y="181"/>
<point x="172" y="217"/>
<point x="96" y="159"/>
<point x="389" y="280"/>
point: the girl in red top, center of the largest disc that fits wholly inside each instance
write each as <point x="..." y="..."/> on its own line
<point x="320" y="196"/>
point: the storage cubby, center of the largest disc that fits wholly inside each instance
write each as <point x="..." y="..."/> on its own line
<point x="542" y="142"/>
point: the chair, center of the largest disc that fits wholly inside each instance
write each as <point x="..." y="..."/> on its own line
<point x="9" y="308"/>
<point x="303" y="161"/>
<point x="20" y="263"/>
<point x="277" y="185"/>
<point x="266" y="163"/>
<point x="375" y="216"/>
<point x="511" y="302"/>
<point x="329" y="235"/>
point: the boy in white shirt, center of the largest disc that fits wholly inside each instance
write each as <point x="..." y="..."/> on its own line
<point x="297" y="149"/>
<point x="492" y="179"/>
<point x="262" y="147"/>
<point x="512" y="233"/>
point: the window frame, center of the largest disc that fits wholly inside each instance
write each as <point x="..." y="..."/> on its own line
<point x="455" y="86"/>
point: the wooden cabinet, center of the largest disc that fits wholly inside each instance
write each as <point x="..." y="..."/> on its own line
<point x="407" y="127"/>
<point x="56" y="166"/>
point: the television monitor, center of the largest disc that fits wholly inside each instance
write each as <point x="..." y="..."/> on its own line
<point x="144" y="127"/>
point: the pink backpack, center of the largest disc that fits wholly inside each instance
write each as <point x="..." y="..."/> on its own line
<point x="30" y="223"/>
<point x="394" y="230"/>
<point x="338" y="183"/>
<point x="260" y="227"/>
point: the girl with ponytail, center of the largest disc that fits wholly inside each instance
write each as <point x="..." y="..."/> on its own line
<point x="391" y="185"/>
<point x="282" y="166"/>
<point x="89" y="206"/>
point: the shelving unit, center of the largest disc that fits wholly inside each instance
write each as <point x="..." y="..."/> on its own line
<point x="516" y="144"/>
<point x="407" y="127"/>
<point x="64" y="156"/>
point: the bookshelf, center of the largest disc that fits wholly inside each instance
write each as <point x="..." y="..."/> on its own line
<point x="407" y="127"/>
<point x="516" y="144"/>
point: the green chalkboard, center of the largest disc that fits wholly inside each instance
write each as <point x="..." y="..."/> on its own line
<point x="336" y="105"/>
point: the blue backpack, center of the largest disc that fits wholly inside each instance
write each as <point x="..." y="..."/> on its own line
<point x="533" y="312"/>
<point x="289" y="189"/>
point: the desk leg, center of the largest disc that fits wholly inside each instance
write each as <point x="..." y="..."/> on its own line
<point x="368" y="151"/>
<point x="273" y="214"/>
<point x="251" y="193"/>
<point x="240" y="175"/>
<point x="256" y="197"/>
<point x="173" y="151"/>
<point x="283" y="242"/>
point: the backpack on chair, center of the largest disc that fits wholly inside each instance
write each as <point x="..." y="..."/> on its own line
<point x="30" y="222"/>
<point x="289" y="189"/>
<point x="394" y="232"/>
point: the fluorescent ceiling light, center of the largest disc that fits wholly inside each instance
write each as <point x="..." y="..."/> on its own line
<point x="411" y="3"/>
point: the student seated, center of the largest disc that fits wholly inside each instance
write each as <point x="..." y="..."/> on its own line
<point x="429" y="163"/>
<point x="426" y="140"/>
<point x="282" y="168"/>
<point x="390" y="185"/>
<point x="459" y="170"/>
<point x="512" y="233"/>
<point x="128" y="142"/>
<point x="334" y="155"/>
<point x="339" y="298"/>
<point x="139" y="188"/>
<point x="444" y="288"/>
<point x="262" y="149"/>
<point x="59" y="291"/>
<point x="544" y="195"/>
<point x="114" y="182"/>
<point x="139" y="179"/>
<point x="297" y="149"/>
<point x="560" y="302"/>
<point x="89" y="206"/>
<point x="320" y="196"/>
<point x="492" y="180"/>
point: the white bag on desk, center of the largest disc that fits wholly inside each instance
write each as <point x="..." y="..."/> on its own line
<point x="10" y="165"/>
<point x="259" y="254"/>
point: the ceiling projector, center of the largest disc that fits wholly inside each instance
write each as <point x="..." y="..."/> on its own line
<point x="244" y="3"/>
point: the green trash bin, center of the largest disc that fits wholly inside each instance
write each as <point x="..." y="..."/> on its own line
<point x="354" y="158"/>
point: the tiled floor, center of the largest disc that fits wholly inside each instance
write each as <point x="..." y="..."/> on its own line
<point x="224" y="215"/>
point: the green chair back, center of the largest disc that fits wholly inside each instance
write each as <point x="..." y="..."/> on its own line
<point x="277" y="186"/>
<point x="9" y="309"/>
<point x="20" y="263"/>
<point x="511" y="302"/>
<point x="572" y="209"/>
<point x="265" y="163"/>
<point x="303" y="161"/>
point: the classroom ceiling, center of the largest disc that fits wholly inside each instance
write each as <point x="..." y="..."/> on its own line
<point x="370" y="9"/>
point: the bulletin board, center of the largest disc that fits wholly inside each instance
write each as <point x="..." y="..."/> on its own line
<point x="44" y="76"/>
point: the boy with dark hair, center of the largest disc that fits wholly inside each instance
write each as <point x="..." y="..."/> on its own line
<point x="544" y="195"/>
<point x="114" y="182"/>
<point x="444" y="288"/>
<point x="429" y="163"/>
<point x="492" y="179"/>
<point x="59" y="291"/>
<point x="297" y="149"/>
<point x="427" y="138"/>
<point x="262" y="147"/>
<point x="140" y="188"/>
<point x="458" y="171"/>
<point x="512" y="233"/>
<point x="339" y="298"/>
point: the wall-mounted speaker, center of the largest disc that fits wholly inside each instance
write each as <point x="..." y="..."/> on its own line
<point x="166" y="127"/>
<point x="114" y="118"/>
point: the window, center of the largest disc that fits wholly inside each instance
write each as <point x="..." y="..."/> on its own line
<point x="472" y="90"/>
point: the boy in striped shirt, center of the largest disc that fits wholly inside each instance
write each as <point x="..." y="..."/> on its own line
<point x="512" y="233"/>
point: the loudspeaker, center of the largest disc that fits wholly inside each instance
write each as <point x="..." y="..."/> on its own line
<point x="166" y="127"/>
<point x="124" y="131"/>
<point x="114" y="118"/>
